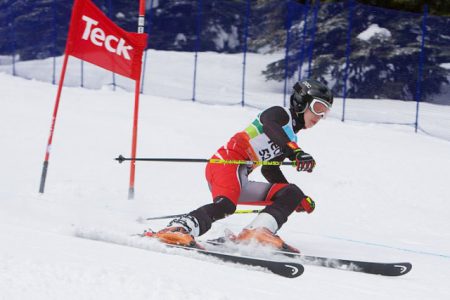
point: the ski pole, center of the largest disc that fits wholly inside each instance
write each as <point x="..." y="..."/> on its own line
<point x="121" y="159"/>
<point x="239" y="211"/>
<point x="247" y="211"/>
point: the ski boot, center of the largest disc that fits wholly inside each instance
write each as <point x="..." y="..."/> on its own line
<point x="178" y="232"/>
<point x="264" y="237"/>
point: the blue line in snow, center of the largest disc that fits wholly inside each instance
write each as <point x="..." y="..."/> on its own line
<point x="387" y="246"/>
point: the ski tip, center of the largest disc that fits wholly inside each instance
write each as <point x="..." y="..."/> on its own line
<point x="295" y="270"/>
<point x="389" y="269"/>
<point x="384" y="269"/>
<point x="400" y="269"/>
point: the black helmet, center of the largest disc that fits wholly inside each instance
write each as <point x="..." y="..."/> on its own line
<point x="305" y="91"/>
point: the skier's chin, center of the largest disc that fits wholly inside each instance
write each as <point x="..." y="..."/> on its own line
<point x="310" y="124"/>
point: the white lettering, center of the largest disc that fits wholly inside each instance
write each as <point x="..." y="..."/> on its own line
<point x="89" y="23"/>
<point x="108" y="45"/>
<point x="99" y="38"/>
<point x="121" y="48"/>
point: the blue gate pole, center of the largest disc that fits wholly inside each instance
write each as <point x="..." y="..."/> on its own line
<point x="288" y="41"/>
<point x="13" y="40"/>
<point x="81" y="73"/>
<point x="303" y="39"/>
<point x="244" y="62"/>
<point x="313" y="34"/>
<point x="347" y="55"/>
<point x="54" y="40"/>
<point x="421" y="59"/>
<point x="197" y="46"/>
<point x="110" y="15"/>
<point x="149" y="27"/>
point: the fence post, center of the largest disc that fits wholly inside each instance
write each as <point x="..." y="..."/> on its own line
<point x="54" y="40"/>
<point x="288" y="40"/>
<point x="420" y="71"/>
<point x="13" y="40"/>
<point x="149" y="27"/>
<point x="110" y="16"/>
<point x="305" y="12"/>
<point x="197" y="46"/>
<point x="313" y="34"/>
<point x="81" y="74"/>
<point x="244" y="62"/>
<point x="347" y="55"/>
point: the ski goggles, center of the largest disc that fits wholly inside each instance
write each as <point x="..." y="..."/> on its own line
<point x="319" y="107"/>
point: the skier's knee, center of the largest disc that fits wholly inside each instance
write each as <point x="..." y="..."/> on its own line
<point x="285" y="201"/>
<point x="290" y="196"/>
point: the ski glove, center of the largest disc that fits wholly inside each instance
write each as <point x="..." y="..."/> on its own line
<point x="307" y="204"/>
<point x="303" y="160"/>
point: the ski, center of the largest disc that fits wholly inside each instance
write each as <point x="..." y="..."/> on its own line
<point x="281" y="268"/>
<point x="369" y="267"/>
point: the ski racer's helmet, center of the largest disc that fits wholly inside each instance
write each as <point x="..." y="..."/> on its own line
<point x="306" y="91"/>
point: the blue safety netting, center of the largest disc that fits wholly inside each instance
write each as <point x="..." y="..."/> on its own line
<point x="397" y="58"/>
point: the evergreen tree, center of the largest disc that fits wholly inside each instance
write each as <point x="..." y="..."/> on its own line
<point x="385" y="66"/>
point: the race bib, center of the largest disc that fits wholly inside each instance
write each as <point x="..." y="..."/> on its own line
<point x="261" y="145"/>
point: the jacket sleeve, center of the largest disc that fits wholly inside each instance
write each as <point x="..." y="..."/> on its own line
<point x="273" y="119"/>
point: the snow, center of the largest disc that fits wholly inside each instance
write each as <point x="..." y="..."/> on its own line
<point x="148" y="4"/>
<point x="7" y="59"/>
<point x="180" y="39"/>
<point x="374" y="31"/>
<point x="120" y="15"/>
<point x="224" y="38"/>
<point x="445" y="66"/>
<point x="381" y="192"/>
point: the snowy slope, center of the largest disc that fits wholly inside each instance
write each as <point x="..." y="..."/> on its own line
<point x="381" y="194"/>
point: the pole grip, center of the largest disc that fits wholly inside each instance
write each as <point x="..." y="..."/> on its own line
<point x="43" y="177"/>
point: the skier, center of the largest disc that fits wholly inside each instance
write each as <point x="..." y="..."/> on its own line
<point x="270" y="137"/>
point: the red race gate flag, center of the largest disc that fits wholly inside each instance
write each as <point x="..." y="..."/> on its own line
<point x="94" y="38"/>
